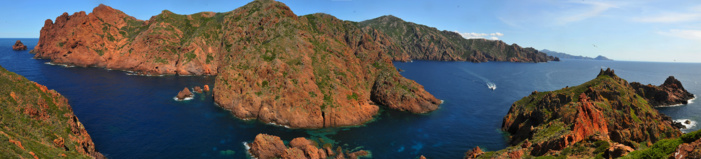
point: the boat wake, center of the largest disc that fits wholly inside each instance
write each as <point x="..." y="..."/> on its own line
<point x="491" y="86"/>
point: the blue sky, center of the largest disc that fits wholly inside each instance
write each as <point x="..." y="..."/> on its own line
<point x="634" y="30"/>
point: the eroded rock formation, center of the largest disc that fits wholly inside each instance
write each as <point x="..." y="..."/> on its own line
<point x="268" y="146"/>
<point x="671" y="92"/>
<point x="19" y="46"/>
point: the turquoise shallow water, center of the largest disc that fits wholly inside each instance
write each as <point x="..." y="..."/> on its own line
<point x="136" y="116"/>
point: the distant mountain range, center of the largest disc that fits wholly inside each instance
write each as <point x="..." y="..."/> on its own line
<point x="568" y="56"/>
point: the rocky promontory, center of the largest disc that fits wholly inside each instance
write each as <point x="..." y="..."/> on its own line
<point x="268" y="146"/>
<point x="671" y="92"/>
<point x="308" y="71"/>
<point x="19" y="46"/>
<point x="604" y="117"/>
<point x="31" y="114"/>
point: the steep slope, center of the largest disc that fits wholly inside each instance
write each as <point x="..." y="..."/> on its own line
<point x="587" y="120"/>
<point x="421" y="42"/>
<point x="308" y="71"/>
<point x="37" y="122"/>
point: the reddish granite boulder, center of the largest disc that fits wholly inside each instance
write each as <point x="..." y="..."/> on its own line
<point x="206" y="88"/>
<point x="198" y="89"/>
<point x="267" y="146"/>
<point x="19" y="46"/>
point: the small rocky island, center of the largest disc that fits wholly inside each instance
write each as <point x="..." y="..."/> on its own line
<point x="605" y="117"/>
<point x="184" y="94"/>
<point x="19" y="46"/>
<point x="268" y="146"/>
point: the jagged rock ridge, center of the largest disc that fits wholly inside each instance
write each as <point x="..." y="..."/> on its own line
<point x="421" y="42"/>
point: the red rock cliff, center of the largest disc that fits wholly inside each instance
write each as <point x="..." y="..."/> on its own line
<point x="309" y="71"/>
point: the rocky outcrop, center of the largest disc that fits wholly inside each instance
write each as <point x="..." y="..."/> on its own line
<point x="474" y="153"/>
<point x="198" y="89"/>
<point x="402" y="94"/>
<point x="31" y="114"/>
<point x="269" y="146"/>
<point x="606" y="109"/>
<point x="420" y="42"/>
<point x="206" y="88"/>
<point x="309" y="71"/>
<point x="19" y="46"/>
<point x="688" y="150"/>
<point x="671" y="92"/>
<point x="185" y="93"/>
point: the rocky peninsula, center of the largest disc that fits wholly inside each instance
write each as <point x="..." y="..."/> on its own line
<point x="309" y="71"/>
<point x="31" y="114"/>
<point x="605" y="117"/>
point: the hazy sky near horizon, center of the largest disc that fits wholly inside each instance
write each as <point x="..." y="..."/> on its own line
<point x="633" y="30"/>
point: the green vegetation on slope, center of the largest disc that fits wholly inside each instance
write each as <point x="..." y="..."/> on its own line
<point x="37" y="121"/>
<point x="428" y="43"/>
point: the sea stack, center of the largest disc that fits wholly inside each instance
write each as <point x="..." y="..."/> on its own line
<point x="206" y="88"/>
<point x="19" y="46"/>
<point x="185" y="93"/>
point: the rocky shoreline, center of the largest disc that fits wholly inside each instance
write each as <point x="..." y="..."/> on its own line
<point x="268" y="146"/>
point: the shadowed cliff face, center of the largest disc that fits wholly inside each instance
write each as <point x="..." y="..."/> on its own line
<point x="421" y="42"/>
<point x="309" y="71"/>
<point x="37" y="122"/>
<point x="605" y="113"/>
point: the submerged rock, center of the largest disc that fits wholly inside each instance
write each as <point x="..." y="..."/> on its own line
<point x="19" y="46"/>
<point x="185" y="93"/>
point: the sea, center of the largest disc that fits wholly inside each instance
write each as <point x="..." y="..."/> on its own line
<point x="131" y="116"/>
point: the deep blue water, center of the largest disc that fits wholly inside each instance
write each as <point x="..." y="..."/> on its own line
<point x="136" y="116"/>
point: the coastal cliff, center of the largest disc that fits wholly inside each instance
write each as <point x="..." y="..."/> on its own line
<point x="308" y="71"/>
<point x="604" y="117"/>
<point x="39" y="123"/>
<point x="420" y="42"/>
